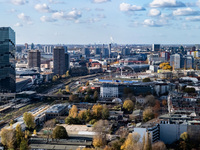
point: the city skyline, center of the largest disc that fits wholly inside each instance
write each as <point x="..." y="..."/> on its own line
<point x="103" y="21"/>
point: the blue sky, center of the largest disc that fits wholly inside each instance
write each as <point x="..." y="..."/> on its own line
<point x="103" y="21"/>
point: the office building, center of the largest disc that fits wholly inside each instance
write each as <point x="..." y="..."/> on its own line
<point x="105" y="52"/>
<point x="188" y="61"/>
<point x="176" y="61"/>
<point x="7" y="60"/>
<point x="67" y="60"/>
<point x="125" y="51"/>
<point x="97" y="51"/>
<point x="86" y="52"/>
<point x="109" y="50"/>
<point x="60" y="61"/>
<point x="34" y="58"/>
<point x="155" y="47"/>
<point x="32" y="46"/>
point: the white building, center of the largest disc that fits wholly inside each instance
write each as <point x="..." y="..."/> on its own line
<point x="109" y="90"/>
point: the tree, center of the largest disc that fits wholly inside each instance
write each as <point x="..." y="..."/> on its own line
<point x="159" y="146"/>
<point x="146" y="80"/>
<point x="29" y="120"/>
<point x="131" y="142"/>
<point x="67" y="89"/>
<point x="49" y="125"/>
<point x="96" y="96"/>
<point x="147" y="145"/>
<point x="60" y="133"/>
<point x="82" y="115"/>
<point x="184" y="136"/>
<point x="34" y="132"/>
<point x="150" y="100"/>
<point x="189" y="90"/>
<point x="148" y="114"/>
<point x="55" y="78"/>
<point x="73" y="98"/>
<point x="73" y="112"/>
<point x="97" y="110"/>
<point x="71" y="120"/>
<point x="11" y="122"/>
<point x="101" y="126"/>
<point x="127" y="91"/>
<point x="87" y="98"/>
<point x="105" y="112"/>
<point x="87" y="83"/>
<point x="164" y="102"/>
<point x="8" y="138"/>
<point x="67" y="74"/>
<point x="128" y="105"/>
<point x="99" y="141"/>
<point x="19" y="134"/>
<point x="24" y="145"/>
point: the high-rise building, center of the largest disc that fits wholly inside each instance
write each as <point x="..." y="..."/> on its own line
<point x="26" y="45"/>
<point x="188" y="61"/>
<point x="125" y="51"/>
<point x="86" y="51"/>
<point x="176" y="61"/>
<point x="7" y="60"/>
<point x="60" y="61"/>
<point x="67" y="60"/>
<point x="34" y="58"/>
<point x="105" y="52"/>
<point x="109" y="50"/>
<point x="97" y="51"/>
<point x="155" y="47"/>
<point x="32" y="46"/>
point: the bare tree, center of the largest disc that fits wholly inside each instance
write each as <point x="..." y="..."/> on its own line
<point x="49" y="125"/>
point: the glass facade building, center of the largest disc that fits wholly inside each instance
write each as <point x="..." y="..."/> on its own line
<point x="7" y="60"/>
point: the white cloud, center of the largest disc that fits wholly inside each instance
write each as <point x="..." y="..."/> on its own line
<point x="47" y="19"/>
<point x="166" y="3"/>
<point x="25" y="18"/>
<point x="72" y="15"/>
<point x="56" y="2"/>
<point x="154" y="12"/>
<point x="193" y="18"/>
<point x="185" y="12"/>
<point x="152" y="23"/>
<point x="198" y="3"/>
<point x="43" y="8"/>
<point x="101" y="1"/>
<point x="19" y="2"/>
<point x="129" y="7"/>
<point x="18" y="24"/>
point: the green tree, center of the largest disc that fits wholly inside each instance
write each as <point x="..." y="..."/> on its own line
<point x="19" y="134"/>
<point x="29" y="120"/>
<point x="60" y="133"/>
<point x="24" y="145"/>
<point x="71" y="120"/>
<point x="128" y="105"/>
<point x="146" y="80"/>
<point x="73" y="98"/>
<point x="87" y="98"/>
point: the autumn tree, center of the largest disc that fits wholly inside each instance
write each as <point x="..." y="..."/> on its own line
<point x="132" y="142"/>
<point x="105" y="112"/>
<point x="96" y="96"/>
<point x="60" y="133"/>
<point x="97" y="110"/>
<point x="67" y="74"/>
<point x="82" y="115"/>
<point x="87" y="83"/>
<point x="128" y="105"/>
<point x="159" y="146"/>
<point x="24" y="144"/>
<point x="164" y="102"/>
<point x="156" y="108"/>
<point x="147" y="114"/>
<point x="73" y="112"/>
<point x="150" y="100"/>
<point x="184" y="141"/>
<point x="8" y="138"/>
<point x="67" y="89"/>
<point x="147" y="145"/>
<point x="73" y="98"/>
<point x="19" y="134"/>
<point x="99" y="141"/>
<point x="29" y="120"/>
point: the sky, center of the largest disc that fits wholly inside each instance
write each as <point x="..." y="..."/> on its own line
<point x="102" y="21"/>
